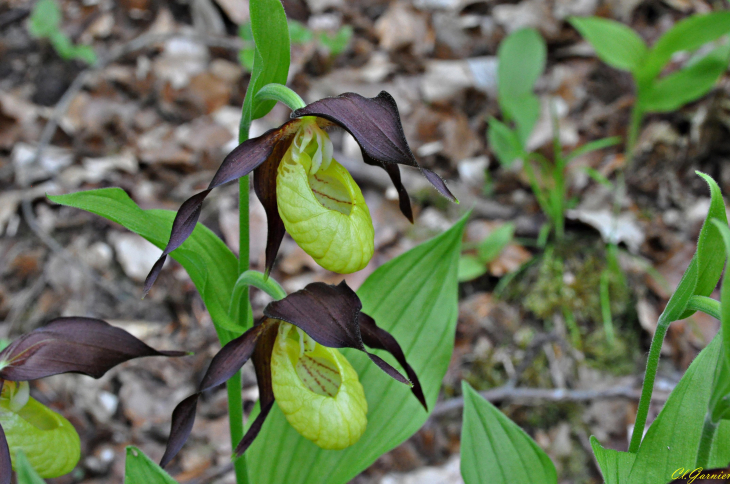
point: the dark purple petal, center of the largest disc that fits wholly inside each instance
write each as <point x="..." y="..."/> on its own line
<point x="224" y="365"/>
<point x="394" y="172"/>
<point x="439" y="184"/>
<point x="375" y="124"/>
<point x="330" y="315"/>
<point x="253" y="430"/>
<point x="239" y="162"/>
<point x="326" y="313"/>
<point x="262" y="364"/>
<point x="183" y="418"/>
<point x="6" y="469"/>
<point x="378" y="338"/>
<point x="264" y="183"/>
<point x="72" y="345"/>
<point x="231" y="358"/>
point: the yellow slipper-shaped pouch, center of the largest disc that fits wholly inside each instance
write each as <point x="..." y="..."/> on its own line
<point x="321" y="205"/>
<point x="48" y="440"/>
<point x="317" y="390"/>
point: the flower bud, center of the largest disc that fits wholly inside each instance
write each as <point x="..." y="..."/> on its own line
<point x="321" y="205"/>
<point x="317" y="390"/>
<point x="48" y="440"/>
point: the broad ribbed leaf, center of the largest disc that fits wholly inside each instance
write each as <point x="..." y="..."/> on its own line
<point x="496" y="450"/>
<point x="686" y="85"/>
<point x="72" y="345"/>
<point x="504" y="142"/>
<point x="413" y="297"/>
<point x="615" y="43"/>
<point x="375" y="124"/>
<point x="673" y="438"/>
<point x="140" y="469"/>
<point x="689" y="34"/>
<point x="615" y="465"/>
<point x="25" y="472"/>
<point x="210" y="264"/>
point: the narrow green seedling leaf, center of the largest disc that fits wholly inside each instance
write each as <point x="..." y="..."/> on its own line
<point x="596" y="145"/>
<point x="615" y="465"/>
<point x="470" y="268"/>
<point x="495" y="450"/>
<point x="336" y="43"/>
<point x="615" y="43"/>
<point x="688" y="84"/>
<point x="25" y="472"/>
<point x="490" y="248"/>
<point x="597" y="176"/>
<point x="140" y="469"/>
<point x="504" y="142"/>
<point x="673" y="438"/>
<point x="45" y="19"/>
<point x="522" y="57"/>
<point x="687" y="35"/>
<point x="299" y="33"/>
<point x="710" y="254"/>
<point x="414" y="297"/>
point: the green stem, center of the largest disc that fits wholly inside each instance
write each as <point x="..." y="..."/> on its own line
<point x="259" y="280"/>
<point x="652" y="364"/>
<point x="708" y="434"/>
<point x="707" y="305"/>
<point x="243" y="317"/>
<point x="280" y="93"/>
<point x="635" y="124"/>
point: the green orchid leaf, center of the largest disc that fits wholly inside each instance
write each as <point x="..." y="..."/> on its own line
<point x="592" y="146"/>
<point x="689" y="84"/>
<point x="687" y="35"/>
<point x="299" y="33"/>
<point x="504" y="142"/>
<point x="45" y="19"/>
<point x="495" y="450"/>
<point x="615" y="43"/>
<point x="414" y="297"/>
<point x="615" y="465"/>
<point x="470" y="268"/>
<point x="271" y="58"/>
<point x="25" y="472"/>
<point x="522" y="58"/>
<point x="140" y="469"/>
<point x="49" y="441"/>
<point x="210" y="264"/>
<point x="490" y="248"/>
<point x="710" y="255"/>
<point x="336" y="43"/>
<point x="720" y="399"/>
<point x="673" y="438"/>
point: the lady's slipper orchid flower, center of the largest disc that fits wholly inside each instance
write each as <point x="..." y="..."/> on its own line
<point x="65" y="345"/>
<point x="294" y="352"/>
<point x="305" y="191"/>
